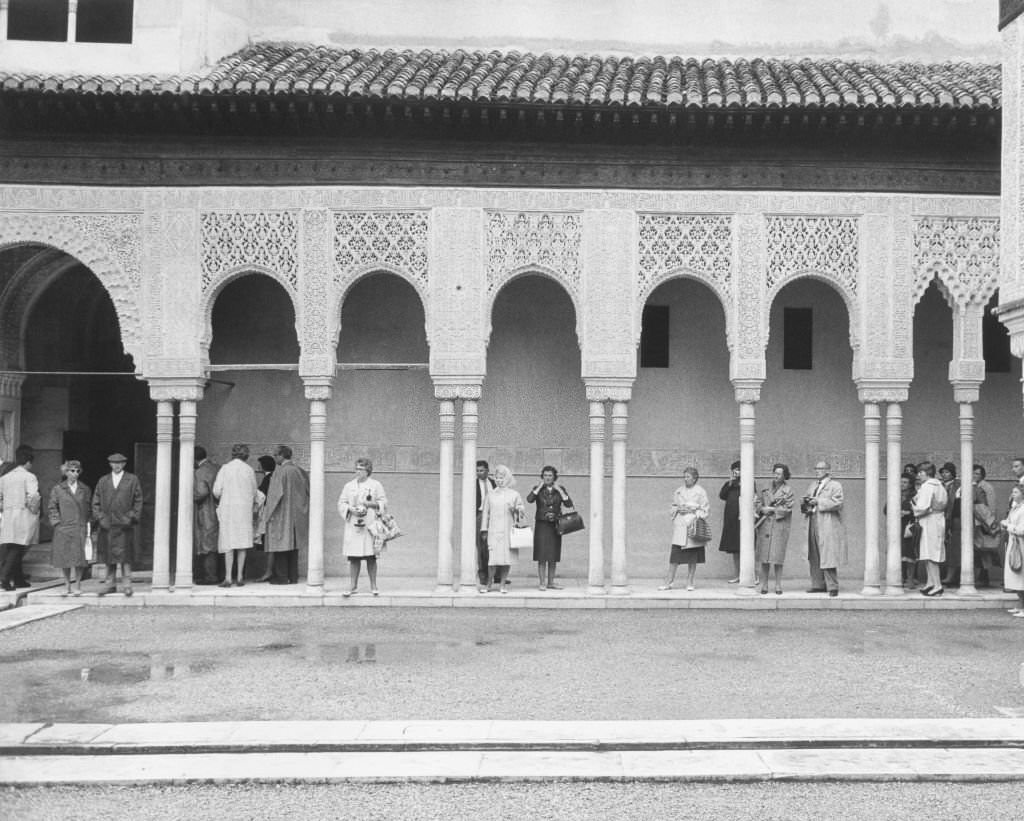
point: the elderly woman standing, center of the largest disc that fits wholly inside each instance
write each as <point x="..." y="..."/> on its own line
<point x="689" y="503"/>
<point x="503" y="509"/>
<point x="929" y="506"/>
<point x="235" y="487"/>
<point x="361" y="501"/>
<point x="775" y="516"/>
<point x="70" y="511"/>
<point x="547" y="541"/>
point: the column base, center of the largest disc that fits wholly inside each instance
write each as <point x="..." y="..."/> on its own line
<point x="968" y="591"/>
<point x="161" y="588"/>
<point x="894" y="590"/>
<point x="315" y="588"/>
<point x="619" y="590"/>
<point x="443" y="589"/>
<point x="871" y="590"/>
<point x="745" y="590"/>
<point x="596" y="590"/>
<point x="184" y="585"/>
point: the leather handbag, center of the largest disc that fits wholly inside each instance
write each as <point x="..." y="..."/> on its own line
<point x="521" y="538"/>
<point x="1014" y="555"/>
<point x="699" y="530"/>
<point x="569" y="522"/>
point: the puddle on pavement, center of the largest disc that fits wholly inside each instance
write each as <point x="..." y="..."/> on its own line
<point x="156" y="670"/>
<point x="390" y="652"/>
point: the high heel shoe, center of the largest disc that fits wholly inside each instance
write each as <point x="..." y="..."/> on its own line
<point x="778" y="591"/>
<point x="764" y="589"/>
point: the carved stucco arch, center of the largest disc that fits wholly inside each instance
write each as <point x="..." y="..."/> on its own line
<point x="532" y="270"/>
<point x="849" y="300"/>
<point x="66" y="233"/>
<point x="211" y="294"/>
<point x="346" y="281"/>
<point x="724" y="299"/>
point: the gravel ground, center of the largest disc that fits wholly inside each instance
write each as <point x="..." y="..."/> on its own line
<point x="194" y="664"/>
<point x="759" y="802"/>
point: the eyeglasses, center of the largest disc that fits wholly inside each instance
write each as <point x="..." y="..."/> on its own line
<point x="74" y="470"/>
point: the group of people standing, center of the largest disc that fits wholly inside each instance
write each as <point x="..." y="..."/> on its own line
<point x="500" y="511"/>
<point x="83" y="521"/>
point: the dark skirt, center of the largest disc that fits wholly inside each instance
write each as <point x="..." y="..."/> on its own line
<point x="547" y="543"/>
<point x="686" y="555"/>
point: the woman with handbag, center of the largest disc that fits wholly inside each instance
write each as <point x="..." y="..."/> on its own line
<point x="362" y="500"/>
<point x="1013" y="569"/>
<point x="70" y="512"/>
<point x="503" y="510"/>
<point x="547" y="541"/>
<point x="774" y="518"/>
<point x="690" y="529"/>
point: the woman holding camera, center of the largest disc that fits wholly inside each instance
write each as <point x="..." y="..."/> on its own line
<point x="547" y="541"/>
<point x="362" y="500"/>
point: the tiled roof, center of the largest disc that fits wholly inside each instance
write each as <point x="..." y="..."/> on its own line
<point x="514" y="78"/>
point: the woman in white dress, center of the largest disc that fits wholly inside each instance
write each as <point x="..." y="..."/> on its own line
<point x="689" y="502"/>
<point x="503" y="509"/>
<point x="362" y="500"/>
<point x="1014" y="524"/>
<point x="929" y="506"/>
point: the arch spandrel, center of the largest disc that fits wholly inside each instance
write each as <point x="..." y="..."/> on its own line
<point x="960" y="252"/>
<point x="109" y="245"/>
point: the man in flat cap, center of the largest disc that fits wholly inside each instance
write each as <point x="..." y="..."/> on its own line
<point x="117" y="504"/>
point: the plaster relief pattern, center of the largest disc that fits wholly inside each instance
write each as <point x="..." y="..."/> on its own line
<point x="826" y="245"/>
<point x="318" y="321"/>
<point x="962" y="252"/>
<point x="517" y="241"/>
<point x="395" y="240"/>
<point x="262" y="240"/>
<point x="695" y="244"/>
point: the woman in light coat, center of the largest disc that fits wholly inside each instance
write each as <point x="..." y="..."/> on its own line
<point x="1014" y="525"/>
<point x="689" y="502"/>
<point x="774" y="516"/>
<point x="70" y="511"/>
<point x="503" y="510"/>
<point x="929" y="506"/>
<point x="362" y="500"/>
<point x="239" y="500"/>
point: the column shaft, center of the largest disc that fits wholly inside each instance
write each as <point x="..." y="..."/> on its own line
<point x="620" y="422"/>
<point x="872" y="480"/>
<point x="446" y="503"/>
<point x="186" y="487"/>
<point x="162" y="503"/>
<point x="467" y="563"/>
<point x="893" y="499"/>
<point x="317" y="491"/>
<point x="747" y="434"/>
<point x="967" y="587"/>
<point x="595" y="579"/>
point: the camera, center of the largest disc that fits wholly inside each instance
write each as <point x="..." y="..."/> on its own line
<point x="360" y="514"/>
<point x="807" y="505"/>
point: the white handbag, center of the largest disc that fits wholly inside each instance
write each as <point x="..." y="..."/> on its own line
<point x="521" y="537"/>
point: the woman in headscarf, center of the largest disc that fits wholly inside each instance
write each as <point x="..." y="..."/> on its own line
<point x="70" y="511"/>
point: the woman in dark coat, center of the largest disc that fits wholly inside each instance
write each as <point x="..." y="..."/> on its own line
<point x="730" y="543"/>
<point x="266" y="469"/>
<point x="70" y="511"/>
<point x="547" y="542"/>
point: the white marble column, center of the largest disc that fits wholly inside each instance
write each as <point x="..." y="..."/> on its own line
<point x="872" y="480"/>
<point x="186" y="486"/>
<point x="598" y="419"/>
<point x="72" y="20"/>
<point x="467" y="562"/>
<point x="4" y="5"/>
<point x="318" y="391"/>
<point x="620" y="423"/>
<point x="10" y="414"/>
<point x="893" y="499"/>
<point x="162" y="503"/>
<point x="446" y="497"/>
<point x="967" y="587"/>
<point x="746" y="398"/>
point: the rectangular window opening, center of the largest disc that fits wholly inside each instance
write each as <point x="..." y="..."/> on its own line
<point x="38" y="20"/>
<point x="654" y="337"/>
<point x="797" y="343"/>
<point x="104" y="21"/>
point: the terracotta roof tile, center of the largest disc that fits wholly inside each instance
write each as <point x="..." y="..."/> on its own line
<point x="556" y="79"/>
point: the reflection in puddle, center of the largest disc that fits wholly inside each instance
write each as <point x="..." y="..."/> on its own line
<point x="276" y="646"/>
<point x="156" y="670"/>
<point x="362" y="654"/>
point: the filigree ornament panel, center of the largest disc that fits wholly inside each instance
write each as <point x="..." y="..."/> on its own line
<point x="962" y="252"/>
<point x="397" y="240"/>
<point x="827" y="246"/>
<point x="519" y="240"/>
<point x="267" y="240"/>
<point x="699" y="244"/>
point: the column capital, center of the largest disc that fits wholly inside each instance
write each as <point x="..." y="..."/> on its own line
<point x="966" y="376"/>
<point x="457" y="387"/>
<point x="876" y="390"/>
<point x="609" y="389"/>
<point x="747" y="390"/>
<point x="177" y="388"/>
<point x="10" y="385"/>
<point x="318" y="388"/>
<point x="318" y="365"/>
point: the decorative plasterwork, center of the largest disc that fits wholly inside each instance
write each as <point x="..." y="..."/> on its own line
<point x="822" y="245"/>
<point x="398" y="241"/>
<point x="518" y="241"/>
<point x="962" y="252"/>
<point x="108" y="244"/>
<point x="697" y="245"/>
<point x="266" y="241"/>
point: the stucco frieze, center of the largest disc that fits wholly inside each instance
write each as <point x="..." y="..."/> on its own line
<point x="262" y="240"/>
<point x="520" y="241"/>
<point x="963" y="252"/>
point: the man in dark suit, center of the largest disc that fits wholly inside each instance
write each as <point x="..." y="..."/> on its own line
<point x="484" y="483"/>
<point x="117" y="504"/>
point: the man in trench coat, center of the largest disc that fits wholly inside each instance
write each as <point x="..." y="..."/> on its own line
<point x="286" y="517"/>
<point x="826" y="534"/>
<point x="19" y="525"/>
<point x="117" y="505"/>
<point x="204" y="525"/>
